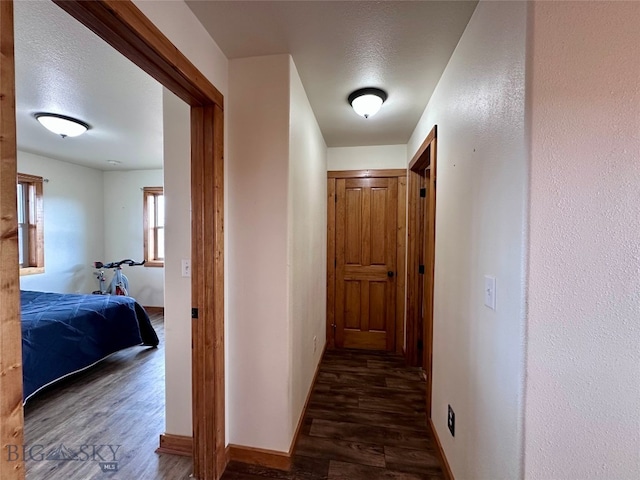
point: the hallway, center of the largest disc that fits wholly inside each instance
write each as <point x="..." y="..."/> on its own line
<point x="366" y="420"/>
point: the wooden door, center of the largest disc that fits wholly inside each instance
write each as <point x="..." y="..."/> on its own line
<point x="365" y="294"/>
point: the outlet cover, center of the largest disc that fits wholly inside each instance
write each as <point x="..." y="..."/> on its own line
<point x="451" y="421"/>
<point x="490" y="291"/>
<point x="186" y="268"/>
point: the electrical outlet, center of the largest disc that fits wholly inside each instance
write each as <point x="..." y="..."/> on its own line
<point x="451" y="421"/>
<point x="490" y="291"/>
<point x="315" y="343"/>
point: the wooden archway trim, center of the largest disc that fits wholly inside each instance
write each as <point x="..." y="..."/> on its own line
<point x="121" y="24"/>
<point x="11" y="413"/>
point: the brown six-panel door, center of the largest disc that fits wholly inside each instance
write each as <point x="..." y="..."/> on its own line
<point x="365" y="295"/>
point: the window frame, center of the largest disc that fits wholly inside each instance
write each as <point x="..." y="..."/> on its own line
<point x="151" y="260"/>
<point x="35" y="226"/>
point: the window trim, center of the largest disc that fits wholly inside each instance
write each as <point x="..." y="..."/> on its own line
<point x="36" y="226"/>
<point x="146" y="193"/>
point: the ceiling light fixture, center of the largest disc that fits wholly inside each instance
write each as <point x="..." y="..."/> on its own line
<point x="367" y="101"/>
<point x="62" y="125"/>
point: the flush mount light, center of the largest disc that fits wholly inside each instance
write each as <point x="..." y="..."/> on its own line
<point x="113" y="162"/>
<point x="62" y="125"/>
<point x="367" y="101"/>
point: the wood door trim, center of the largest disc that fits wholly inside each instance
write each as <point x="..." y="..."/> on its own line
<point x="421" y="243"/>
<point x="401" y="242"/>
<point x="122" y="25"/>
<point x="420" y="161"/>
<point x="339" y="260"/>
<point x="11" y="411"/>
<point x="331" y="261"/>
<point x="373" y="173"/>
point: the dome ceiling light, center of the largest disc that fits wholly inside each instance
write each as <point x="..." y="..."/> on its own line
<point x="61" y="124"/>
<point x="367" y="101"/>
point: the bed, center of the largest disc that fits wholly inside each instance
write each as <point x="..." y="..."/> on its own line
<point x="63" y="334"/>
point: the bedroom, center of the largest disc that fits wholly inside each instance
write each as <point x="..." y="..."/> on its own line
<point x="92" y="185"/>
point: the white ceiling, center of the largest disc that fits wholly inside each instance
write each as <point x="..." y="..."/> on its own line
<point x="340" y="46"/>
<point x="62" y="67"/>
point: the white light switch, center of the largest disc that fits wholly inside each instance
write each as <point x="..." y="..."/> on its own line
<point x="490" y="291"/>
<point x="186" y="268"/>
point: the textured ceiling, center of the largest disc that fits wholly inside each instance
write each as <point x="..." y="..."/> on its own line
<point x="62" y="67"/>
<point x="339" y="46"/>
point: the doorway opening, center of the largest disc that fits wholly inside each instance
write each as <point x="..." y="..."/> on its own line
<point x="123" y="26"/>
<point x="421" y="258"/>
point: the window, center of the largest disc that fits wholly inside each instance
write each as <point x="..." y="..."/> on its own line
<point x="30" y="225"/>
<point x="153" y="212"/>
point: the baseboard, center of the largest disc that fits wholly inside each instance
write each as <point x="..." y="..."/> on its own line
<point x="175" y="445"/>
<point x="154" y="310"/>
<point x="448" y="474"/>
<point x="273" y="458"/>
<point x="260" y="456"/>
<point x="306" y="403"/>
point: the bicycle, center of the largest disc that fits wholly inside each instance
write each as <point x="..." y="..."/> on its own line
<point x="119" y="284"/>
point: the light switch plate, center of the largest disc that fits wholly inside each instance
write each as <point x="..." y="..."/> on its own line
<point x="186" y="268"/>
<point x="490" y="291"/>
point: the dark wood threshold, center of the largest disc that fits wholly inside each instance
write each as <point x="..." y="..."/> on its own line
<point x="176" y="445"/>
<point x="272" y="458"/>
<point x="448" y="474"/>
<point x="154" y="310"/>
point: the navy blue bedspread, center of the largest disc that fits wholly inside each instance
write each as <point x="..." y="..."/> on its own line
<point x="62" y="334"/>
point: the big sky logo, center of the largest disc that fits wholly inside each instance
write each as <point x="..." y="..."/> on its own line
<point x="104" y="455"/>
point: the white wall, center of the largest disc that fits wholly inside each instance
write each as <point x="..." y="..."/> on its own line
<point x="179" y="24"/>
<point x="73" y="224"/>
<point x="259" y="358"/>
<point x="123" y="234"/>
<point x="368" y="157"/>
<point x="583" y="354"/>
<point x="177" y="310"/>
<point x="479" y="107"/>
<point x="307" y="243"/>
<point x="277" y="250"/>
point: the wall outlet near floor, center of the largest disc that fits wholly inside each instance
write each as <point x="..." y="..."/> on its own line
<point x="451" y="421"/>
<point x="315" y="343"/>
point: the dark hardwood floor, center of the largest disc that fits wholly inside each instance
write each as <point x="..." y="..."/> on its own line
<point x="120" y="401"/>
<point x="366" y="420"/>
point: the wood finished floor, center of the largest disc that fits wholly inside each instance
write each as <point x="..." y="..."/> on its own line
<point x="120" y="401"/>
<point x="366" y="420"/>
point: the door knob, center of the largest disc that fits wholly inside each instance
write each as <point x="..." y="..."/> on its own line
<point x="389" y="274"/>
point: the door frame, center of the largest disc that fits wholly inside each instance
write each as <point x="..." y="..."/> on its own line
<point x="421" y="252"/>
<point x="122" y="25"/>
<point x="401" y="236"/>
